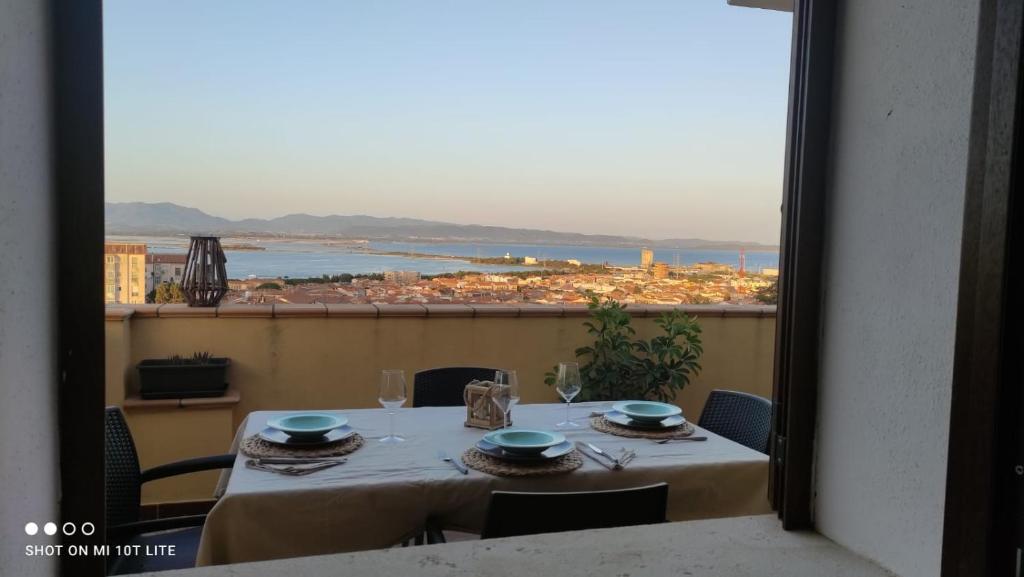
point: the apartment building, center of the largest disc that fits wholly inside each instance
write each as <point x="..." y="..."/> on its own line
<point x="124" y="273"/>
<point x="161" y="268"/>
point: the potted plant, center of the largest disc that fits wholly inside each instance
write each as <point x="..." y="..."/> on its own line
<point x="177" y="377"/>
<point x="618" y="366"/>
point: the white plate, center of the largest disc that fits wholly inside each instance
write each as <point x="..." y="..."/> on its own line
<point x="621" y="419"/>
<point x="279" y="437"/>
<point x="559" y="450"/>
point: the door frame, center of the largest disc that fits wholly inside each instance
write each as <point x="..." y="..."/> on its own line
<point x="981" y="484"/>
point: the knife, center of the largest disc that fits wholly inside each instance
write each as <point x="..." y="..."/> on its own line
<point x="580" y="446"/>
<point x="441" y="454"/>
<point x="598" y="450"/>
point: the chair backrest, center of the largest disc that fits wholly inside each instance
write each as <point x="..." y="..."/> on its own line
<point x="123" y="484"/>
<point x="740" y="417"/>
<point x="443" y="387"/>
<point x="512" y="513"/>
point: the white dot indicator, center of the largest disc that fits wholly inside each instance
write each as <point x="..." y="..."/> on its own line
<point x="50" y="528"/>
<point x="31" y="529"/>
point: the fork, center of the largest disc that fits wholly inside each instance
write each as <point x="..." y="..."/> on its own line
<point x="663" y="441"/>
<point x="292" y="470"/>
<point x="627" y="457"/>
<point x="298" y="460"/>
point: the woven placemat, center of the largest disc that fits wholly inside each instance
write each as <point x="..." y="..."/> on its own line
<point x="254" y="446"/>
<point x="605" y="426"/>
<point x="474" y="459"/>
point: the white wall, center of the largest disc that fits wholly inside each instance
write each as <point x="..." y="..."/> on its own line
<point x="28" y="380"/>
<point x="900" y="128"/>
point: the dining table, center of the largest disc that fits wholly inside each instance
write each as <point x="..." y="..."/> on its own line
<point x="385" y="493"/>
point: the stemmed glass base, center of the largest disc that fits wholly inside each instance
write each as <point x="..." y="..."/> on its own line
<point x="568" y="424"/>
<point x="391" y="438"/>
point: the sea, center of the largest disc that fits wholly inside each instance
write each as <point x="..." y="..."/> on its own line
<point x="308" y="258"/>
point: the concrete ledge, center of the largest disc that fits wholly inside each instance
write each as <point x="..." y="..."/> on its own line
<point x="637" y="311"/>
<point x="575" y="311"/>
<point x="300" y="311"/>
<point x="114" y="313"/>
<point x="352" y="311"/>
<point x="144" y="311"/>
<point x="541" y="311"/>
<point x="231" y="397"/>
<point x="120" y="312"/>
<point x="496" y="310"/>
<point x="246" y="311"/>
<point x="388" y="310"/>
<point x="450" y="311"/>
<point x="736" y="547"/>
<point x="181" y="310"/>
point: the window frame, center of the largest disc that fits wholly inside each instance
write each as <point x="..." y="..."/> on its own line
<point x="984" y="493"/>
<point x="78" y="118"/>
<point x="76" y="47"/>
<point x="798" y="317"/>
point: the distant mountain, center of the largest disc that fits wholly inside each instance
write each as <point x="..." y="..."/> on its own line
<point x="164" y="218"/>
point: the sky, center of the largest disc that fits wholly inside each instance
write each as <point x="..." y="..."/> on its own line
<point x="658" y="119"/>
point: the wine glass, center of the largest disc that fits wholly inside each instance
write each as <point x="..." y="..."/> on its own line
<point x="507" y="395"/>
<point x="392" y="396"/>
<point x="568" y="386"/>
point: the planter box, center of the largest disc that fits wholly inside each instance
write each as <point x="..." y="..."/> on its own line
<point x="163" y="379"/>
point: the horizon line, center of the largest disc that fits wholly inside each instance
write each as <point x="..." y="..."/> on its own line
<point x="527" y="228"/>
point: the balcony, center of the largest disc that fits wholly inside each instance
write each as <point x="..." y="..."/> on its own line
<point x="329" y="356"/>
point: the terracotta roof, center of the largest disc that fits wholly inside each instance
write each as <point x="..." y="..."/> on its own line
<point x="166" y="258"/>
<point x="124" y="248"/>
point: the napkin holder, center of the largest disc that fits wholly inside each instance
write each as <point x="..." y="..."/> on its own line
<point x="481" y="412"/>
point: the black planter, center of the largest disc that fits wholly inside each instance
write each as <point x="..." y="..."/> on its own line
<point x="166" y="379"/>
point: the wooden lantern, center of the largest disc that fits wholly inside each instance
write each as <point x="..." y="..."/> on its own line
<point x="205" y="281"/>
<point x="481" y="412"/>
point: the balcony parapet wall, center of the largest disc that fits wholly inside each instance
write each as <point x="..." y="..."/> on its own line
<point x="292" y="357"/>
<point x="120" y="312"/>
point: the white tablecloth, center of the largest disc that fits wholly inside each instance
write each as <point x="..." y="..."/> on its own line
<point x="385" y="493"/>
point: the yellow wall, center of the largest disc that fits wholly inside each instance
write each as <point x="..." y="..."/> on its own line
<point x="301" y="362"/>
<point x="124" y="271"/>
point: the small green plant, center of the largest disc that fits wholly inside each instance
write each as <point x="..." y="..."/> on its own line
<point x="167" y="292"/>
<point x="768" y="294"/>
<point x="197" y="358"/>
<point x="269" y="286"/>
<point x="617" y="366"/>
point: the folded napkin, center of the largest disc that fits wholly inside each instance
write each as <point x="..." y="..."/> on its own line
<point x="296" y="468"/>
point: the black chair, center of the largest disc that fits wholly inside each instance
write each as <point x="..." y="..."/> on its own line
<point x="513" y="513"/>
<point x="123" y="489"/>
<point x="443" y="387"/>
<point x="740" y="417"/>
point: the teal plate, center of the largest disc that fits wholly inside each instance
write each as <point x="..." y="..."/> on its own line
<point x="278" y="437"/>
<point x="307" y="425"/>
<point x="620" y="419"/>
<point x="647" y="411"/>
<point x="524" y="441"/>
<point x="559" y="450"/>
